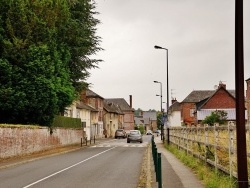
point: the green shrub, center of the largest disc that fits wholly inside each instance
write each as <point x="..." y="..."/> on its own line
<point x="67" y="122"/>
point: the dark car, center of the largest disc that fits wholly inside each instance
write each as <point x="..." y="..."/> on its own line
<point x="134" y="136"/>
<point x="120" y="133"/>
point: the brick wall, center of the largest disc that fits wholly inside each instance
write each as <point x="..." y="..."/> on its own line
<point x="220" y="100"/>
<point x="17" y="141"/>
<point x="185" y="113"/>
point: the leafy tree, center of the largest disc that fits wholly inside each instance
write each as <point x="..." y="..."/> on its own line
<point x="159" y="120"/>
<point x="82" y="40"/>
<point x="218" y="116"/>
<point x="39" y="42"/>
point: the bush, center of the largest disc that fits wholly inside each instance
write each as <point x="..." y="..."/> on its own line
<point x="67" y="122"/>
<point x="141" y="129"/>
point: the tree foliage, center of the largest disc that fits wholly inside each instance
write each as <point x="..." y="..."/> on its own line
<point x="218" y="116"/>
<point x="40" y="41"/>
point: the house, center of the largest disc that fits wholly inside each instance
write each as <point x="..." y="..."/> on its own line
<point x="80" y="110"/>
<point x="112" y="118"/>
<point x="145" y="122"/>
<point x="174" y="114"/>
<point x="128" y="117"/>
<point x="95" y="101"/>
<point x="200" y="103"/>
<point x="152" y="116"/>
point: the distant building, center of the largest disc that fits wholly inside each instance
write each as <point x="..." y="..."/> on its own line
<point x="126" y="109"/>
<point x="94" y="100"/>
<point x="147" y="119"/>
<point x="201" y="103"/>
<point x="112" y="118"/>
<point x="174" y="114"/>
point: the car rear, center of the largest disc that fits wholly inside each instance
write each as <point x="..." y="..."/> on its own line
<point x="120" y="133"/>
<point x="134" y="136"/>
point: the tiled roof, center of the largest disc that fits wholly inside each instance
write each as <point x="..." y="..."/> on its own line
<point x="141" y="121"/>
<point x="151" y="115"/>
<point x="175" y="107"/>
<point x="200" y="95"/>
<point x="121" y="102"/>
<point x="81" y="105"/>
<point x="112" y="107"/>
<point x="90" y="93"/>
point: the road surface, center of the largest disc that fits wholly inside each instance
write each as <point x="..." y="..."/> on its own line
<point x="111" y="164"/>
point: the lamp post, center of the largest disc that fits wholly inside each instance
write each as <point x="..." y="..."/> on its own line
<point x="161" y="106"/>
<point x="161" y="48"/>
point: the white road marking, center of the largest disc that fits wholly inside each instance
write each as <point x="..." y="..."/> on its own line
<point x="36" y="182"/>
<point x="120" y="145"/>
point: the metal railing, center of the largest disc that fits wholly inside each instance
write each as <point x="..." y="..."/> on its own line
<point x="157" y="163"/>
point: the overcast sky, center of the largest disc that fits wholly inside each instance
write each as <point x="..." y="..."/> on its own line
<point x="199" y="36"/>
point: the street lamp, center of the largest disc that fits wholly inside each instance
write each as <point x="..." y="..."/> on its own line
<point x="158" y="47"/>
<point x="161" y="108"/>
<point x="161" y="48"/>
<point x="161" y="93"/>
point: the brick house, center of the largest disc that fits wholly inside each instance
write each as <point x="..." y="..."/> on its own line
<point x="200" y="103"/>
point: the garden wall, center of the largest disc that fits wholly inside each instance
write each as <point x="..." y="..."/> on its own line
<point x="17" y="141"/>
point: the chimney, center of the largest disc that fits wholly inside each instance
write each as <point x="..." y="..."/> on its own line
<point x="130" y="101"/>
<point x="174" y="100"/>
<point x="248" y="89"/>
<point x="222" y="85"/>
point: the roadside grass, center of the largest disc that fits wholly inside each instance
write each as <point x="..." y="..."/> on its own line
<point x="208" y="175"/>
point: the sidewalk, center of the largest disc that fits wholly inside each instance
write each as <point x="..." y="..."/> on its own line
<point x="174" y="173"/>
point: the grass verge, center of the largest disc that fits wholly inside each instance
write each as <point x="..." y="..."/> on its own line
<point x="208" y="175"/>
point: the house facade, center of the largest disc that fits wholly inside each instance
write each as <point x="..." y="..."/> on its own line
<point x="174" y="114"/>
<point x="152" y="116"/>
<point x="79" y="110"/>
<point x="95" y="101"/>
<point x="200" y="103"/>
<point x="144" y="122"/>
<point x="128" y="112"/>
<point x="112" y="118"/>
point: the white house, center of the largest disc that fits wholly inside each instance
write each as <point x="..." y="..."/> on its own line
<point x="174" y="114"/>
<point x="80" y="110"/>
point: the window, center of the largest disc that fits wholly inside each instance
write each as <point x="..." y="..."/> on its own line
<point x="192" y="112"/>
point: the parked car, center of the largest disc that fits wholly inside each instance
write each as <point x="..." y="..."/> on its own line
<point x="149" y="132"/>
<point x="158" y="132"/>
<point x="134" y="136"/>
<point x="120" y="133"/>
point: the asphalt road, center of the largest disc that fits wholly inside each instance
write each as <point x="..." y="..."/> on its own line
<point x="107" y="165"/>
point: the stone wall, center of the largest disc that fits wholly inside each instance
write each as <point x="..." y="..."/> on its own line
<point x="18" y="141"/>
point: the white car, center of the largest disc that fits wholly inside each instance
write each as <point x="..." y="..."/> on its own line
<point x="158" y="132"/>
<point x="149" y="132"/>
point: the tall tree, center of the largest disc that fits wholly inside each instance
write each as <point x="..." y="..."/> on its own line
<point x="82" y="39"/>
<point x="36" y="56"/>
